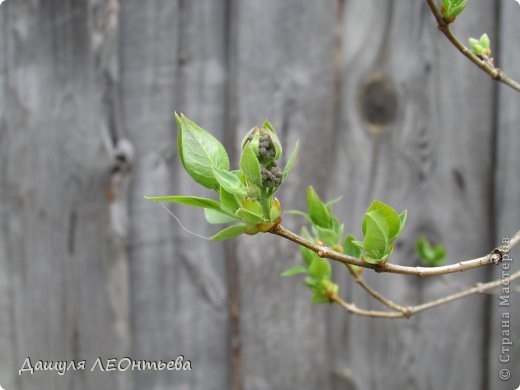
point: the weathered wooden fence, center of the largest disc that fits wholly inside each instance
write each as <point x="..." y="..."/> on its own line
<point x="384" y="107"/>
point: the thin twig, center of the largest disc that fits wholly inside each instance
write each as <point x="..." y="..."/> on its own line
<point x="375" y="294"/>
<point x="493" y="258"/>
<point x="411" y="310"/>
<point x="493" y="71"/>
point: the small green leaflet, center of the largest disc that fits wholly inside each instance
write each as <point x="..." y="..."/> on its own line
<point x="349" y="248"/>
<point x="319" y="213"/>
<point x="320" y="268"/>
<point x="431" y="255"/>
<point x="229" y="232"/>
<point x="217" y="217"/>
<point x="390" y="215"/>
<point x="230" y="183"/>
<point x="376" y="237"/>
<point x="295" y="270"/>
<point x="291" y="160"/>
<point x="249" y="217"/>
<point x="250" y="165"/>
<point x="188" y="201"/>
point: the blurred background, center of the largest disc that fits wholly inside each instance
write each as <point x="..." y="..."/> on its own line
<point x="384" y="107"/>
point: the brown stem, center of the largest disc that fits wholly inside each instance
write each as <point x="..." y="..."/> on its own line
<point x="411" y="310"/>
<point x="375" y="294"/>
<point x="493" y="258"/>
<point x="493" y="71"/>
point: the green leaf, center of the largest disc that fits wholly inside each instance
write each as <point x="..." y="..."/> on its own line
<point x="300" y="213"/>
<point x="484" y="41"/>
<point x="319" y="297"/>
<point x="332" y="202"/>
<point x="253" y="206"/>
<point x="230" y="183"/>
<point x="290" y="161"/>
<point x="319" y="213"/>
<point x="268" y="128"/>
<point x="374" y="259"/>
<point x="250" y="165"/>
<point x="446" y="4"/>
<point x="194" y="201"/>
<point x="217" y="217"/>
<point x="200" y="152"/>
<point x="338" y="228"/>
<point x="402" y="222"/>
<point x="229" y="232"/>
<point x="349" y="248"/>
<point x="328" y="236"/>
<point x="311" y="282"/>
<point x="390" y="215"/>
<point x="430" y="255"/>
<point x="320" y="268"/>
<point x="229" y="201"/>
<point x="307" y="254"/>
<point x="275" y="212"/>
<point x="249" y="217"/>
<point x="376" y="235"/>
<point x="295" y="270"/>
<point x="473" y="41"/>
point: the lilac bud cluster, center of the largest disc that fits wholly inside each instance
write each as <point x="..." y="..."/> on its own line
<point x="266" y="150"/>
<point x="272" y="177"/>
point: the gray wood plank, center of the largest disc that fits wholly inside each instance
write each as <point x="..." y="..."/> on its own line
<point x="507" y="202"/>
<point x="415" y="131"/>
<point x="285" y="71"/>
<point x="173" y="59"/>
<point x="60" y="241"/>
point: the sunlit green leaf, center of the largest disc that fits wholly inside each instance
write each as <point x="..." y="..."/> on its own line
<point x="376" y="235"/>
<point x="200" y="152"/>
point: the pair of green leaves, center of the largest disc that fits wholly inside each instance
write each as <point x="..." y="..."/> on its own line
<point x="242" y="197"/>
<point x="450" y="9"/>
<point x="431" y="255"/>
<point x="325" y="226"/>
<point x="381" y="227"/>
<point x="481" y="46"/>
<point x="326" y="229"/>
<point x="318" y="278"/>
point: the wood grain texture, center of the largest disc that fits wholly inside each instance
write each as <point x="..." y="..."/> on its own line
<point x="384" y="107"/>
<point x="285" y="73"/>
<point x="507" y="202"/>
<point x="173" y="60"/>
<point x="409" y="134"/>
<point x="57" y="230"/>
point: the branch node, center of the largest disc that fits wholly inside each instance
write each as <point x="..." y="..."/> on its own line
<point x="496" y="255"/>
<point x="407" y="311"/>
<point x="323" y="252"/>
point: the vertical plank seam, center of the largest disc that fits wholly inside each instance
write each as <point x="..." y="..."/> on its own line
<point x="492" y="208"/>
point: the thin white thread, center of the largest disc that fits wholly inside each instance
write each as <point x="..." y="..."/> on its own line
<point x="182" y="226"/>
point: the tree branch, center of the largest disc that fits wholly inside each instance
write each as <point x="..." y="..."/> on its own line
<point x="493" y="71"/>
<point x="411" y="310"/>
<point x="375" y="294"/>
<point x="494" y="257"/>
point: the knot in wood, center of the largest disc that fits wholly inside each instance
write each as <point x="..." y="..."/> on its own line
<point x="378" y="101"/>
